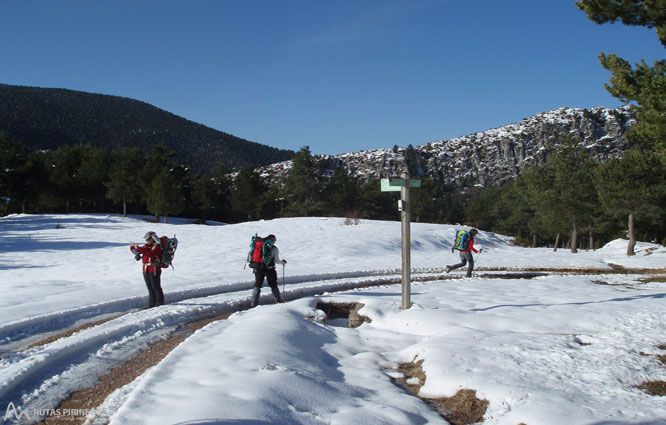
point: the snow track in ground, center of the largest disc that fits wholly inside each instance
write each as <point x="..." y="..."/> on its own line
<point x="39" y="378"/>
<point x="15" y="336"/>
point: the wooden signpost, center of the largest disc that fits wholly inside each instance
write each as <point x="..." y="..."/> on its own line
<point x="403" y="185"/>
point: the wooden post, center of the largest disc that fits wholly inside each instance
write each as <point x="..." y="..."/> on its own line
<point x="404" y="206"/>
<point x="406" y="244"/>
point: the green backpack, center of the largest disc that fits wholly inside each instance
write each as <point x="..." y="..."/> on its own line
<point x="260" y="255"/>
<point x="462" y="240"/>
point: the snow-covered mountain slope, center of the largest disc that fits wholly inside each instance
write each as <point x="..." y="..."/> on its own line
<point x="489" y="157"/>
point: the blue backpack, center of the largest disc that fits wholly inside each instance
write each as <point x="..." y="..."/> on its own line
<point x="462" y="240"/>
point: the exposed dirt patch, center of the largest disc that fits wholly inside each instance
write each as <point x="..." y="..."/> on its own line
<point x="649" y="251"/>
<point x="414" y="376"/>
<point x="70" y="332"/>
<point x="654" y="387"/>
<point x="516" y="275"/>
<point x="657" y="278"/>
<point x="344" y="311"/>
<point x="617" y="285"/>
<point x="621" y="269"/>
<point x="662" y="358"/>
<point x="463" y="408"/>
<point x="614" y="269"/>
<point x="91" y="398"/>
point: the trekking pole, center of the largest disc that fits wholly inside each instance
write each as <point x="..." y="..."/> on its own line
<point x="282" y="279"/>
<point x="477" y="258"/>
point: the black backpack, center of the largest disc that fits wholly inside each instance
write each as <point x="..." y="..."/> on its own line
<point x="169" y="246"/>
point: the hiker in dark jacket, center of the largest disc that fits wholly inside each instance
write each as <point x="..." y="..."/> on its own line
<point x="466" y="255"/>
<point x="152" y="267"/>
<point x="268" y="271"/>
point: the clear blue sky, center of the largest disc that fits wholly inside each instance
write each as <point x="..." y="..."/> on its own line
<point x="338" y="76"/>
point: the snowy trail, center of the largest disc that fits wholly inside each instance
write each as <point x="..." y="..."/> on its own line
<point x="40" y="377"/>
<point x="17" y="336"/>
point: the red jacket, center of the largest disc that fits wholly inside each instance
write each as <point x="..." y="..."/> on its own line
<point x="151" y="257"/>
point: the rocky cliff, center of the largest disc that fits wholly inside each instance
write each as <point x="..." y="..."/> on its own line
<point x="489" y="157"/>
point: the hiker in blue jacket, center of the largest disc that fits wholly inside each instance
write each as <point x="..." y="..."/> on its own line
<point x="466" y="256"/>
<point x="267" y="270"/>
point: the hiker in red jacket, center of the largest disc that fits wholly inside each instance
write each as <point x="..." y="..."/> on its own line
<point x="152" y="267"/>
<point x="466" y="255"/>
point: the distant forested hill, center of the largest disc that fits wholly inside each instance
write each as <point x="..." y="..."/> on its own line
<point x="44" y="118"/>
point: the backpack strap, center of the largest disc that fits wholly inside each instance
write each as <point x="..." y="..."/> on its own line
<point x="267" y="252"/>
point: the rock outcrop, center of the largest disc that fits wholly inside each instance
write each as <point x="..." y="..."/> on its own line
<point x="490" y="157"/>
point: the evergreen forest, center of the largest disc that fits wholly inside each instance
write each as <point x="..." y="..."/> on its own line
<point x="573" y="201"/>
<point x="84" y="178"/>
<point x="47" y="118"/>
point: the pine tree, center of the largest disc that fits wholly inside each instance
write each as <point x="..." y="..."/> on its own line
<point x="247" y="194"/>
<point x="166" y="194"/>
<point x="92" y="173"/>
<point x="650" y="14"/>
<point x="645" y="85"/>
<point x="411" y="161"/>
<point x="429" y="203"/>
<point x="123" y="184"/>
<point x="154" y="165"/>
<point x="210" y="194"/>
<point x="301" y="187"/>
<point x="576" y="195"/>
<point x="543" y="198"/>
<point x="341" y="193"/>
<point x="481" y="211"/>
<point x="455" y="210"/>
<point x="12" y="177"/>
<point x="38" y="191"/>
<point x="630" y="186"/>
<point x="67" y="184"/>
<point x="379" y="205"/>
<point x="515" y="215"/>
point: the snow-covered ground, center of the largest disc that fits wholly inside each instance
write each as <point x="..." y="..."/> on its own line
<point x="560" y="348"/>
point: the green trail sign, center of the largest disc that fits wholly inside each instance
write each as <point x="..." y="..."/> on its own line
<point x="394" y="185"/>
